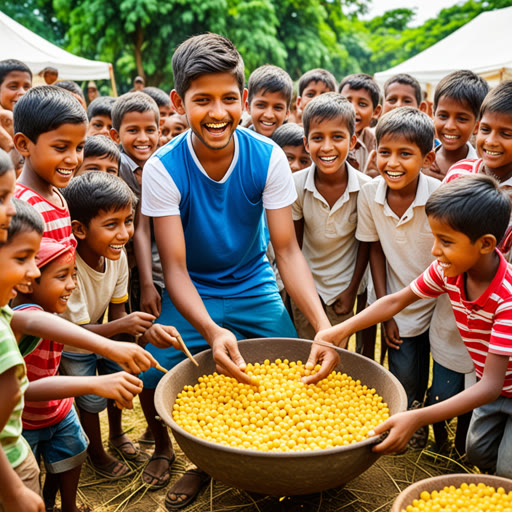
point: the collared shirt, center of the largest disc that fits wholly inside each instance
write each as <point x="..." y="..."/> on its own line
<point x="406" y="242"/>
<point x="485" y="323"/>
<point x="131" y="173"/>
<point x="329" y="244"/>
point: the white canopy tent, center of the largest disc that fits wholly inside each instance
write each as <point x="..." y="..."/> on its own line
<point x="17" y="42"/>
<point x="482" y="46"/>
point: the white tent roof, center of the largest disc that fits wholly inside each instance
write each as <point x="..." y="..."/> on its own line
<point x="482" y="46"/>
<point x="17" y="42"/>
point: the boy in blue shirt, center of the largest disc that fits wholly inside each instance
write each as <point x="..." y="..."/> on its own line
<point x="206" y="191"/>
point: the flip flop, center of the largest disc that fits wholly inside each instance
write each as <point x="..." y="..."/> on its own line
<point x="164" y="478"/>
<point x="189" y="485"/>
<point x="119" y="448"/>
<point x="107" y="471"/>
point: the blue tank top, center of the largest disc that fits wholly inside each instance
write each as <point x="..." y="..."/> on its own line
<point x="223" y="223"/>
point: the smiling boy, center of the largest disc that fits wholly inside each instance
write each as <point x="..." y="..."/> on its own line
<point x="207" y="190"/>
<point x="268" y="100"/>
<point x="15" y="81"/>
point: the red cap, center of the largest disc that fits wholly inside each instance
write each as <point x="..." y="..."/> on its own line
<point x="50" y="250"/>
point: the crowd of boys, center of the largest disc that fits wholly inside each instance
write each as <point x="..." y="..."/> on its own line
<point x="220" y="213"/>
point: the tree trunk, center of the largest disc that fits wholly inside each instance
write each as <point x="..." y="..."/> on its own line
<point x="139" y="40"/>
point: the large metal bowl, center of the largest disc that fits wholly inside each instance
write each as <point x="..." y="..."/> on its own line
<point x="437" y="483"/>
<point x="271" y="473"/>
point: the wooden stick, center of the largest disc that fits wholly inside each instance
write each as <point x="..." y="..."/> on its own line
<point x="186" y="350"/>
<point x="161" y="368"/>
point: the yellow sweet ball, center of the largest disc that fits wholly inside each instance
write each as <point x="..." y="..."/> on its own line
<point x="468" y="498"/>
<point x="279" y="413"/>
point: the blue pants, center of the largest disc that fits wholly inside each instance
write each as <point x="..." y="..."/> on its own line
<point x="410" y="365"/>
<point x="263" y="316"/>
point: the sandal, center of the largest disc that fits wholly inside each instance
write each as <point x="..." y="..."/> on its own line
<point x="126" y="454"/>
<point x="108" y="471"/>
<point x="189" y="486"/>
<point x="164" y="478"/>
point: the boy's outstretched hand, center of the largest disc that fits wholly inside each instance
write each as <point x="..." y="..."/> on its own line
<point x="25" y="500"/>
<point x="130" y="357"/>
<point x="121" y="387"/>
<point x="327" y="357"/>
<point x="162" y="336"/>
<point x="136" y="323"/>
<point x="227" y="356"/>
<point x="401" y="427"/>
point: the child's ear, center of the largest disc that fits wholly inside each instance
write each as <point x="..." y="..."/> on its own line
<point x="79" y="229"/>
<point x="353" y="141"/>
<point x="306" y="143"/>
<point x="423" y="107"/>
<point x="377" y="112"/>
<point x="477" y="125"/>
<point x="487" y="243"/>
<point x="429" y="158"/>
<point x="298" y="102"/>
<point x="247" y="107"/>
<point x="21" y="142"/>
<point x="245" y="94"/>
<point x="114" y="134"/>
<point x="178" y="103"/>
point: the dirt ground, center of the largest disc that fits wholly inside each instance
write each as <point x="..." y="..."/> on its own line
<point x="373" y="491"/>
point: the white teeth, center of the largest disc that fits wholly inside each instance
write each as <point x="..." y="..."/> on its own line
<point x="443" y="265"/>
<point x="451" y="137"/>
<point x="328" y="158"/>
<point x="492" y="153"/>
<point x="117" y="246"/>
<point x="216" y="125"/>
<point x="392" y="174"/>
<point x="142" y="147"/>
<point x="265" y="123"/>
<point x="66" y="172"/>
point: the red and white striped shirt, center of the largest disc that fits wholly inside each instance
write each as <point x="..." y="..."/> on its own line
<point x="43" y="362"/>
<point x="484" y="324"/>
<point x="57" y="219"/>
<point x="463" y="168"/>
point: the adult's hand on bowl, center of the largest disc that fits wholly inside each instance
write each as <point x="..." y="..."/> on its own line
<point x="327" y="357"/>
<point x="401" y="427"/>
<point x="227" y="357"/>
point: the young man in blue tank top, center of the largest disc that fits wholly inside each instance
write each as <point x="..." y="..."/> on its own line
<point x="207" y="192"/>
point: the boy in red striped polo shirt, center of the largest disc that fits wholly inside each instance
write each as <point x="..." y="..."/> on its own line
<point x="49" y="132"/>
<point x="468" y="218"/>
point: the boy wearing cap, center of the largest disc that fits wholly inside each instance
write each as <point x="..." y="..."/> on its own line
<point x="51" y="427"/>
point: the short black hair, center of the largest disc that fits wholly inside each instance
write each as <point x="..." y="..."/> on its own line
<point x="499" y="99"/>
<point x="464" y="87"/>
<point x="317" y="75"/>
<point x="6" y="163"/>
<point x="289" y="134"/>
<point x="411" y="124"/>
<point x="270" y="78"/>
<point x="44" y="108"/>
<point x="27" y="218"/>
<point x="474" y="205"/>
<point x="331" y="105"/>
<point x="162" y="99"/>
<point x="93" y="192"/>
<point x="203" y="55"/>
<point x="70" y="86"/>
<point x="359" y="81"/>
<point x="100" y="145"/>
<point x="9" y="65"/>
<point x="133" y="102"/>
<point x="405" y="79"/>
<point x="101" y="106"/>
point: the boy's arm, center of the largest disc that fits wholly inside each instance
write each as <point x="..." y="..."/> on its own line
<point x="380" y="311"/>
<point x="14" y="495"/>
<point x="120" y="386"/>
<point x="403" y="425"/>
<point x="184" y="295"/>
<point x="378" y="267"/>
<point x="131" y="357"/>
<point x="344" y="304"/>
<point x="150" y="300"/>
<point x="299" y="283"/>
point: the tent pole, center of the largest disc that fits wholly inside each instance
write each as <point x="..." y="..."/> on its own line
<point x="112" y="80"/>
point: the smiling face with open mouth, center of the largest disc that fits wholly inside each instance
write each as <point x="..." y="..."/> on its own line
<point x="454" y="121"/>
<point x="268" y="111"/>
<point x="213" y="106"/>
<point x="400" y="161"/>
<point x="56" y="154"/>
<point x="494" y="143"/>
